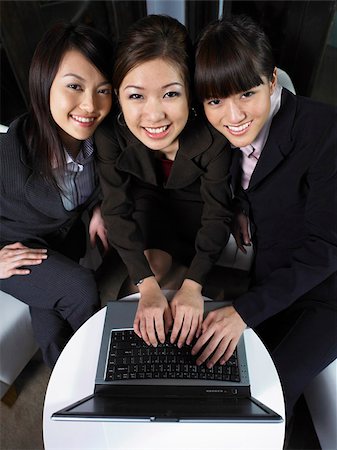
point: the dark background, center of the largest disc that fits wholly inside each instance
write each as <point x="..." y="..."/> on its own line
<point x="302" y="35"/>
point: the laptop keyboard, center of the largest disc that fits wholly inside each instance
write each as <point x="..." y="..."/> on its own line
<point x="131" y="358"/>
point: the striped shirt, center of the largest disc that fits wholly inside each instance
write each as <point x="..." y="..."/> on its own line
<point x="79" y="179"/>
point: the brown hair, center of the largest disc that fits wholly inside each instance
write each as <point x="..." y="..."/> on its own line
<point x="231" y="57"/>
<point x="151" y="37"/>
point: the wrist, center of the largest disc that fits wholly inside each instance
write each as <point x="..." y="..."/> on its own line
<point x="192" y="285"/>
<point x="146" y="284"/>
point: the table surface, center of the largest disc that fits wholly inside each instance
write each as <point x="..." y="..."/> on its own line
<point x="73" y="378"/>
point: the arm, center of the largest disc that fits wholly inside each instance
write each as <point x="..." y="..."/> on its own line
<point x="187" y="305"/>
<point x="14" y="256"/>
<point x="313" y="258"/>
<point x="153" y="315"/>
<point x="217" y="213"/>
<point x="97" y="228"/>
<point x="240" y="230"/>
<point x="117" y="206"/>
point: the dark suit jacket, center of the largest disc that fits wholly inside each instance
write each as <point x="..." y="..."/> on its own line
<point x="199" y="173"/>
<point x="292" y="204"/>
<point x="31" y="209"/>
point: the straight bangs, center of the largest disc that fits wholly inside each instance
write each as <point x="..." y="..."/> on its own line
<point x="225" y="73"/>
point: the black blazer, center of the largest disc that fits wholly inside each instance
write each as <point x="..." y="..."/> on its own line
<point x="200" y="172"/>
<point x="292" y="204"/>
<point x="31" y="209"/>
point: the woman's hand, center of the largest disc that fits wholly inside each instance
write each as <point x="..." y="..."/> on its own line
<point x="97" y="228"/>
<point x="14" y="256"/>
<point x="187" y="309"/>
<point x="153" y="317"/>
<point x="240" y="230"/>
<point x="221" y="331"/>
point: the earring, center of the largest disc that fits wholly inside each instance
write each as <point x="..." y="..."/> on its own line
<point x="194" y="113"/>
<point x="120" y="119"/>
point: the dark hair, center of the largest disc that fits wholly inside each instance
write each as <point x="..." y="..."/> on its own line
<point x="151" y="37"/>
<point x="231" y="57"/>
<point x="44" y="143"/>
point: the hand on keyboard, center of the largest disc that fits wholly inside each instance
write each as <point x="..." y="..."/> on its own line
<point x="130" y="358"/>
<point x="187" y="309"/>
<point x="153" y="317"/>
<point x="221" y="331"/>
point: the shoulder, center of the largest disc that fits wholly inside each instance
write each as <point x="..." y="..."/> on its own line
<point x="13" y="140"/>
<point x="112" y="137"/>
<point x="308" y="113"/>
<point x="199" y="137"/>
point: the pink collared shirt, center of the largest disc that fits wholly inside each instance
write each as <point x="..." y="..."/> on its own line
<point x="252" y="152"/>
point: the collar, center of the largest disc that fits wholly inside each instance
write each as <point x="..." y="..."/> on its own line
<point x="194" y="139"/>
<point x="257" y="145"/>
<point x="85" y="153"/>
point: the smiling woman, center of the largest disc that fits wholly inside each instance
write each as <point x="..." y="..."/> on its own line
<point x="284" y="178"/>
<point x="80" y="98"/>
<point x="164" y="175"/>
<point x="154" y="101"/>
<point x="49" y="179"/>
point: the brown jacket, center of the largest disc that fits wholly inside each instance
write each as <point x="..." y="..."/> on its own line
<point x="200" y="170"/>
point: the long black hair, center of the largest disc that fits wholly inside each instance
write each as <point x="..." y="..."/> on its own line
<point x="44" y="144"/>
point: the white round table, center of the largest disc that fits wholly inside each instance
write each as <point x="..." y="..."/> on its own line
<point x="73" y="378"/>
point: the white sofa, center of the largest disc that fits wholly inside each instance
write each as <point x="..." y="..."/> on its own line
<point x="321" y="398"/>
<point x="17" y="343"/>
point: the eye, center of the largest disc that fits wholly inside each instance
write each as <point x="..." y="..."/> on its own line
<point x="213" y="101"/>
<point x="105" y="91"/>
<point x="172" y="94"/>
<point x="248" y="94"/>
<point x="74" y="86"/>
<point x="135" y="96"/>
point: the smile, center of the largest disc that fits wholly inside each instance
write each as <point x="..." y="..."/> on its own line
<point x="156" y="130"/>
<point x="83" y="119"/>
<point x="239" y="128"/>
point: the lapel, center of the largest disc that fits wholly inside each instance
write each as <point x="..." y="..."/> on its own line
<point x="279" y="143"/>
<point x="44" y="197"/>
<point x="194" y="140"/>
<point x="137" y="160"/>
<point x="235" y="169"/>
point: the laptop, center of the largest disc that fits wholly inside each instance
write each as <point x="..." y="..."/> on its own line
<point x="132" y="386"/>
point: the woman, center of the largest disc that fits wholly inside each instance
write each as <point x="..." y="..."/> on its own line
<point x="49" y="179"/>
<point x="284" y="176"/>
<point x="164" y="178"/>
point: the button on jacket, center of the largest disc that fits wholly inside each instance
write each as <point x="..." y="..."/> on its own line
<point x="199" y="172"/>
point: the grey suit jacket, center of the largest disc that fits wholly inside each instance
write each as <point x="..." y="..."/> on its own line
<point x="31" y="209"/>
